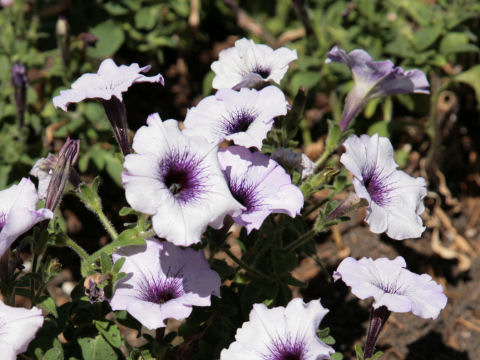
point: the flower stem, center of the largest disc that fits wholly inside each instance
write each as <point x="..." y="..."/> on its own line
<point x="377" y="321"/>
<point x="244" y="265"/>
<point x="106" y="223"/>
<point x="302" y="239"/>
<point x="75" y="247"/>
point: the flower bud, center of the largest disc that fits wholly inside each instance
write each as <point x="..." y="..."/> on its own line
<point x="20" y="82"/>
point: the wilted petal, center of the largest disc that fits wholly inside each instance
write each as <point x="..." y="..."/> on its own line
<point x="374" y="79"/>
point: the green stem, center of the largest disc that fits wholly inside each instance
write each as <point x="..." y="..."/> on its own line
<point x="75" y="247"/>
<point x="244" y="265"/>
<point x="106" y="223"/>
<point x="309" y="235"/>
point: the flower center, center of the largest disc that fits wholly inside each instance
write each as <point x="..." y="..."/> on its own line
<point x="239" y="121"/>
<point x="263" y="71"/>
<point x="245" y="193"/>
<point x="286" y="349"/>
<point x="161" y="289"/>
<point x="377" y="186"/>
<point x="184" y="175"/>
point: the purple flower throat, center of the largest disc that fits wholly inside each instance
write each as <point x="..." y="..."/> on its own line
<point x="286" y="349"/>
<point x="161" y="288"/>
<point x="263" y="71"/>
<point x="377" y="186"/>
<point x="184" y="175"/>
<point x="238" y="121"/>
<point x="245" y="193"/>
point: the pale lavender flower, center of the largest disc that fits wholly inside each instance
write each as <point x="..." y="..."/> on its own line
<point x="245" y="117"/>
<point x="163" y="281"/>
<point x="107" y="86"/>
<point x="374" y="79"/>
<point x="6" y="3"/>
<point x="249" y="65"/>
<point x="18" y="212"/>
<point x="177" y="179"/>
<point x="392" y="285"/>
<point x="18" y="327"/>
<point x="280" y="333"/>
<point x="259" y="184"/>
<point x="394" y="197"/>
<point x="295" y="161"/>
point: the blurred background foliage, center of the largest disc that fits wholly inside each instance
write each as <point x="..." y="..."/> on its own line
<point x="60" y="40"/>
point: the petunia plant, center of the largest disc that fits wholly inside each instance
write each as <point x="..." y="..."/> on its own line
<point x="220" y="208"/>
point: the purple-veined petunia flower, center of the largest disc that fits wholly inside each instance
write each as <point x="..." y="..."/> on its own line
<point x="107" y="86"/>
<point x="374" y="79"/>
<point x="394" y="197"/>
<point x="392" y="285"/>
<point x="259" y="184"/>
<point x="18" y="212"/>
<point x="163" y="281"/>
<point x="18" y="327"/>
<point x="249" y="65"/>
<point x="280" y="333"/>
<point x="177" y="179"/>
<point x="244" y="116"/>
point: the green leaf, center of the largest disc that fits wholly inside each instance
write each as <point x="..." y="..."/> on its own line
<point x="110" y="38"/>
<point x="96" y="348"/>
<point x="380" y="128"/>
<point x="426" y="36"/>
<point x="49" y="305"/>
<point x="146" y="17"/>
<point x="110" y="332"/>
<point x="455" y="42"/>
<point x="329" y="340"/>
<point x="105" y="262"/>
<point x="118" y="265"/>
<point x="336" y="356"/>
<point x="129" y="237"/>
<point x="359" y="352"/>
<point x="472" y="78"/>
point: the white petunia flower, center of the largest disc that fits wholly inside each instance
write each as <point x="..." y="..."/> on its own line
<point x="177" y="179"/>
<point x="280" y="333"/>
<point x="244" y="116"/>
<point x="248" y="65"/>
<point x="395" y="198"/>
<point x="18" y="327"/>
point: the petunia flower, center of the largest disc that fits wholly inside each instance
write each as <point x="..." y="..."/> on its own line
<point x="280" y="333"/>
<point x="107" y="85"/>
<point x="249" y="65"/>
<point x="259" y="184"/>
<point x="18" y="212"/>
<point x="393" y="287"/>
<point x="245" y="117"/>
<point x="177" y="179"/>
<point x="394" y="197"/>
<point x="163" y="281"/>
<point x="18" y="327"/>
<point x="374" y="79"/>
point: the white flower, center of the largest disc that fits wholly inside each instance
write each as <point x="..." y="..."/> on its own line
<point x="110" y="80"/>
<point x="177" y="179"/>
<point x="18" y="212"/>
<point x="280" y="333"/>
<point x="244" y="116"/>
<point x="392" y="285"/>
<point x="18" y="327"/>
<point x="248" y="64"/>
<point x="394" y="197"/>
<point x="164" y="281"/>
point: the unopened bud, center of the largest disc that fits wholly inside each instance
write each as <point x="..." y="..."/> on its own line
<point x="66" y="159"/>
<point x="20" y="82"/>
